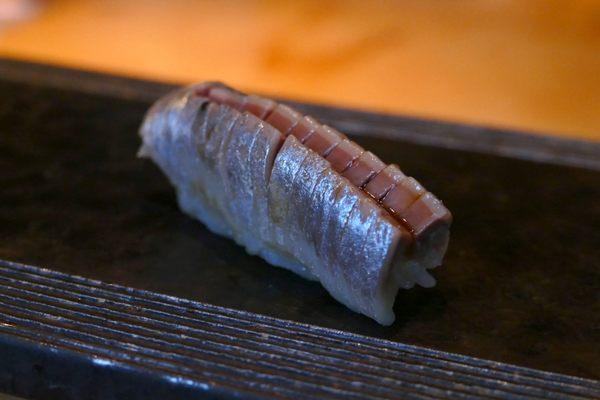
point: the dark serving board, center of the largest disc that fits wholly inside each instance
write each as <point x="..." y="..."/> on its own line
<point x="520" y="283"/>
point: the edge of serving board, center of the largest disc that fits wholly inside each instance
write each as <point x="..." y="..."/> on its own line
<point x="508" y="143"/>
<point x="68" y="337"/>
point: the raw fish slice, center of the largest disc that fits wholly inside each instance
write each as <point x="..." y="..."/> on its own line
<point x="206" y="118"/>
<point x="286" y="166"/>
<point x="221" y="127"/>
<point x="401" y="196"/>
<point x="345" y="197"/>
<point x="182" y="162"/>
<point x="386" y="247"/>
<point x="352" y="261"/>
<point x="301" y="207"/>
<point x="258" y="106"/>
<point x="363" y="169"/>
<point x="236" y="174"/>
<point x="185" y="141"/>
<point x="323" y="198"/>
<point x="430" y="220"/>
<point x="362" y="261"/>
<point x="324" y="140"/>
<point x="312" y="210"/>
<point x="258" y="238"/>
<point x="343" y="155"/>
<point x="221" y="130"/>
<point x="178" y="134"/>
<point x="156" y="132"/>
<point x="384" y="181"/>
<point x="187" y="167"/>
<point x="261" y="159"/>
<point x="328" y="271"/>
<point x="287" y="163"/>
<point x="304" y="129"/>
<point x="294" y="233"/>
<point x="283" y="118"/>
<point x="226" y="96"/>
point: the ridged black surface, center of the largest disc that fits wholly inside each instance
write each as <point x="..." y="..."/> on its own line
<point x="177" y="347"/>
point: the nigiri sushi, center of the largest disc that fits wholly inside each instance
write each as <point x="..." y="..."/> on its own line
<point x="297" y="193"/>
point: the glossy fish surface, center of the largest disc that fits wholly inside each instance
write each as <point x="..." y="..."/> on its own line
<point x="261" y="186"/>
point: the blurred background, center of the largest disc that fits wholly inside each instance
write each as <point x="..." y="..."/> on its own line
<point x="526" y="64"/>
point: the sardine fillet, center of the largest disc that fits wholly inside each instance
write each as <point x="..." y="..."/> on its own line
<point x="246" y="180"/>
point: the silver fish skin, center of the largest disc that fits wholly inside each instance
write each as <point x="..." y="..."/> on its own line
<point x="282" y="201"/>
<point x="171" y="138"/>
<point x="345" y="238"/>
<point x="189" y="139"/>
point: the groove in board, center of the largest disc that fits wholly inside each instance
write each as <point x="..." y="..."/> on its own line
<point x="224" y="352"/>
